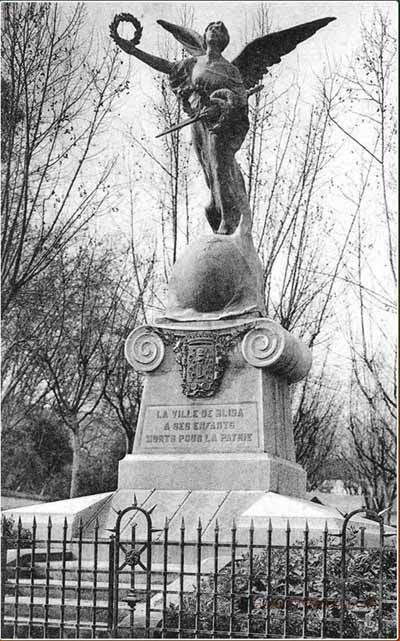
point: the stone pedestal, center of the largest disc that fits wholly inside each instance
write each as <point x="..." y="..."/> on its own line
<point x="214" y="439"/>
<point x="215" y="412"/>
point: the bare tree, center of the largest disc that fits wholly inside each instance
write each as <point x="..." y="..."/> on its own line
<point x="43" y="464"/>
<point x="260" y="111"/>
<point x="373" y="440"/>
<point x="123" y="388"/>
<point x="291" y="151"/>
<point x="170" y="112"/>
<point x="373" y="396"/>
<point x="301" y="277"/>
<point x="316" y="420"/>
<point x="175" y="178"/>
<point x="367" y="122"/>
<point x="75" y="352"/>
<point x="286" y="160"/>
<point x="368" y="118"/>
<point x="57" y="95"/>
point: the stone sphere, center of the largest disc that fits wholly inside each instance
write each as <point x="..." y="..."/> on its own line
<point x="212" y="274"/>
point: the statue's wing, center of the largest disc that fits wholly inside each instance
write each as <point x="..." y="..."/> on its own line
<point x="190" y="39"/>
<point x="263" y="52"/>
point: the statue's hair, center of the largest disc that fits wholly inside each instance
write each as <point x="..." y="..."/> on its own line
<point x="225" y="30"/>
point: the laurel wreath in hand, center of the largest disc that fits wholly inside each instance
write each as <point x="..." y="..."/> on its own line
<point x="126" y="17"/>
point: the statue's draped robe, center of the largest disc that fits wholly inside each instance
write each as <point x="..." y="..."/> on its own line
<point x="216" y="149"/>
<point x="217" y="276"/>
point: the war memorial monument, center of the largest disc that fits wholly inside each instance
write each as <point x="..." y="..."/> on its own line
<point x="214" y="437"/>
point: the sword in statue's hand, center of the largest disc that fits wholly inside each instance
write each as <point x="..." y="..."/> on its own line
<point x="203" y="114"/>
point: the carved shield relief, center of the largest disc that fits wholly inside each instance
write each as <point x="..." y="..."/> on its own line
<point x="200" y="372"/>
<point x="202" y="358"/>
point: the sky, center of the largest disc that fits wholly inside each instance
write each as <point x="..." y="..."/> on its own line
<point x="330" y="47"/>
<point x="337" y="40"/>
<point x="335" y="43"/>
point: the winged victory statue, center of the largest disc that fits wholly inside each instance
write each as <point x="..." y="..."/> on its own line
<point x="214" y="94"/>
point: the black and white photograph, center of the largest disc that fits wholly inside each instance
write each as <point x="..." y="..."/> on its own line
<point x="199" y="319"/>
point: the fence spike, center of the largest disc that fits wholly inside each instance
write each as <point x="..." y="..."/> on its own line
<point x="65" y="525"/>
<point x="251" y="528"/>
<point x="269" y="525"/>
<point x="166" y="523"/>
<point x="19" y="527"/>
<point x="287" y="526"/>
<point x="199" y="525"/>
<point x="151" y="510"/>
<point x="326" y="527"/>
<point x="96" y="523"/>
<point x="135" y="499"/>
<point x="306" y="528"/>
<point x="49" y="523"/>
<point x="234" y="527"/>
<point x="183" y="523"/>
<point x="216" y="526"/>
<point x="34" y="525"/>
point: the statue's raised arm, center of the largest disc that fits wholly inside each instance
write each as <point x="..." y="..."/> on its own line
<point x="129" y="46"/>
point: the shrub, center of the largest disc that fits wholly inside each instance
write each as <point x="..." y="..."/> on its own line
<point x="10" y="532"/>
<point x="225" y="594"/>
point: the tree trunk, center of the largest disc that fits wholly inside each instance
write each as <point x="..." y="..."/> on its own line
<point x="75" y="462"/>
<point x="129" y="440"/>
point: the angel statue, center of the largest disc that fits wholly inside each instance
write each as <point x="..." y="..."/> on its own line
<point x="214" y="93"/>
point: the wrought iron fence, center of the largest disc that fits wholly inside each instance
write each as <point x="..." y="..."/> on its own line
<point x="147" y="585"/>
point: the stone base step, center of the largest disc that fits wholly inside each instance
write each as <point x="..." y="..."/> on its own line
<point x="41" y="555"/>
<point x="34" y="628"/>
<point x="54" y="608"/>
<point x="39" y="587"/>
<point x="36" y="625"/>
<point x="86" y="572"/>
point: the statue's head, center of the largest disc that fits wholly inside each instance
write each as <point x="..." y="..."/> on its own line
<point x="216" y="32"/>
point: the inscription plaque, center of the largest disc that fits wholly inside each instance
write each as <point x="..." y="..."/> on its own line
<point x="199" y="428"/>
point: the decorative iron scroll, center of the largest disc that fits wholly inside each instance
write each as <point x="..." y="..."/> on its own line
<point x="202" y="357"/>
